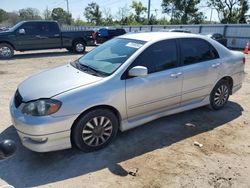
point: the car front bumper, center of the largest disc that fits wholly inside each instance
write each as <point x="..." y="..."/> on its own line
<point x="42" y="134"/>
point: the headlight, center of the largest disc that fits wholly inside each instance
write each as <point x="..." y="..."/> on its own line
<point x="41" y="107"/>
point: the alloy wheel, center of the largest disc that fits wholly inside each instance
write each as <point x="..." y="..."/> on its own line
<point x="221" y="95"/>
<point x="97" y="131"/>
<point x="79" y="47"/>
<point x="5" y="51"/>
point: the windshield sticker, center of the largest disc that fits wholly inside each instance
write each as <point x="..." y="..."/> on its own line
<point x="134" y="45"/>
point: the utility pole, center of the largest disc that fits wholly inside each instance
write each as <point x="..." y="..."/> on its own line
<point x="149" y="4"/>
<point x="67" y="5"/>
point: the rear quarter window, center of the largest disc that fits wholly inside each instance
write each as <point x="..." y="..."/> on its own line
<point x="197" y="50"/>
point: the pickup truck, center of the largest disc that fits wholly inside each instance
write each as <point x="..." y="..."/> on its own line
<point x="39" y="35"/>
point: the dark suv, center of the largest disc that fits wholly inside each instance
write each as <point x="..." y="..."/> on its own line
<point x="104" y="34"/>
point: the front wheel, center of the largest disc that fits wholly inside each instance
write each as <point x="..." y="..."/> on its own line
<point x="6" y="51"/>
<point x="220" y="94"/>
<point x="95" y="130"/>
<point x="79" y="47"/>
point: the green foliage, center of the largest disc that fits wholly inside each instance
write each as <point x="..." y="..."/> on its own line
<point x="244" y="7"/>
<point x="152" y="20"/>
<point x="61" y="16"/>
<point x="230" y="11"/>
<point x="93" y="13"/>
<point x="79" y="22"/>
<point x="29" y="14"/>
<point x="183" y="11"/>
<point x="47" y="14"/>
<point x="3" y="15"/>
<point x="139" y="10"/>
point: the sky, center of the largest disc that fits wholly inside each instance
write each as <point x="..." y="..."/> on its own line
<point x="76" y="7"/>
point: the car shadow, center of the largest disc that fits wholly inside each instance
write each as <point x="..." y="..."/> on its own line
<point x="43" y="54"/>
<point x="30" y="169"/>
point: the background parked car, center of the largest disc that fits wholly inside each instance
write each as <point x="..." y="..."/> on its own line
<point x="218" y="37"/>
<point x="104" y="34"/>
<point x="176" y="30"/>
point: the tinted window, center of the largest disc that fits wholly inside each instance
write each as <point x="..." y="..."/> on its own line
<point x="217" y="36"/>
<point x="159" y="56"/>
<point x="30" y="28"/>
<point x="197" y="50"/>
<point x="48" y="28"/>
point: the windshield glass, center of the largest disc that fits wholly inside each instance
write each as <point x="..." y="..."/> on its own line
<point x="111" y="55"/>
<point x="15" y="26"/>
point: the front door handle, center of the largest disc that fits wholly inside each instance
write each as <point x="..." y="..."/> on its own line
<point x="215" y="65"/>
<point x="175" y="75"/>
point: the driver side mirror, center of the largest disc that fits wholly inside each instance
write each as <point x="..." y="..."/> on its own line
<point x="21" y="31"/>
<point x="7" y="149"/>
<point x="138" y="71"/>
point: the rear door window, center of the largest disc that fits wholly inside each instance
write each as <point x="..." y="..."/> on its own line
<point x="49" y="28"/>
<point x="197" y="50"/>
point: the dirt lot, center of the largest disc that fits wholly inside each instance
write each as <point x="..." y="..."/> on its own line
<point x="162" y="151"/>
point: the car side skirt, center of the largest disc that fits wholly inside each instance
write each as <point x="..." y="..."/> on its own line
<point x="137" y="121"/>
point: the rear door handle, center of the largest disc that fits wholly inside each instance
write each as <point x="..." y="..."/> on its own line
<point x="175" y="75"/>
<point x="215" y="65"/>
<point x="56" y="35"/>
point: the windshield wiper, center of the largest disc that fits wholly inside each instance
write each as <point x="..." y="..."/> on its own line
<point x="89" y="69"/>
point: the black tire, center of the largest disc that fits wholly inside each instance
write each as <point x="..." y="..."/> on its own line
<point x="219" y="95"/>
<point x="82" y="139"/>
<point x="79" y="47"/>
<point x="6" y="51"/>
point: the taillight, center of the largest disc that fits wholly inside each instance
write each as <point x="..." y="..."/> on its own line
<point x="244" y="60"/>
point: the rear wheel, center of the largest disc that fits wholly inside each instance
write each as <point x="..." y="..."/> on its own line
<point x="6" y="51"/>
<point x="220" y="94"/>
<point x="79" y="47"/>
<point x="95" y="130"/>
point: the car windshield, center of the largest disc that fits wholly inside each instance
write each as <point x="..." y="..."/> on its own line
<point x="108" y="57"/>
<point x="15" y="26"/>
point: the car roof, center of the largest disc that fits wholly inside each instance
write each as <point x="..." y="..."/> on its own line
<point x="50" y="21"/>
<point x="151" y="37"/>
<point x="156" y="36"/>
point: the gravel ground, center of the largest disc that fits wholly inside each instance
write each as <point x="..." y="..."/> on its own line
<point x="160" y="153"/>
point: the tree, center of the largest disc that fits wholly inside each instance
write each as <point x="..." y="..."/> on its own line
<point x="183" y="11"/>
<point x="47" y="14"/>
<point x="108" y="18"/>
<point x="122" y="13"/>
<point x="152" y="20"/>
<point x="243" y="10"/>
<point x="139" y="10"/>
<point x="13" y="18"/>
<point x="3" y="15"/>
<point x="29" y="14"/>
<point x="61" y="16"/>
<point x="230" y="11"/>
<point x="93" y="13"/>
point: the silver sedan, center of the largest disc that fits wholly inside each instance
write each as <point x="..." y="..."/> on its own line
<point x="124" y="83"/>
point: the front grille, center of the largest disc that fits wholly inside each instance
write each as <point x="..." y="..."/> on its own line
<point x="18" y="99"/>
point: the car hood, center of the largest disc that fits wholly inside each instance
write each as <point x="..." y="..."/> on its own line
<point x="3" y="33"/>
<point x="53" y="82"/>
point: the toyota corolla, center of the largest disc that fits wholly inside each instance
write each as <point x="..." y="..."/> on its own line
<point x="124" y="83"/>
